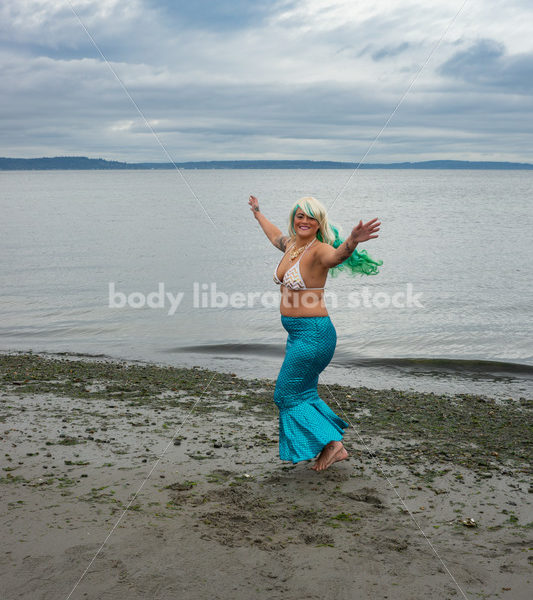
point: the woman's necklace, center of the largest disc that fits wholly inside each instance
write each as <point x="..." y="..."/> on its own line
<point x="295" y="253"/>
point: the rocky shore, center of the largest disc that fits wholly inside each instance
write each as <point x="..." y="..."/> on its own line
<point x="133" y="480"/>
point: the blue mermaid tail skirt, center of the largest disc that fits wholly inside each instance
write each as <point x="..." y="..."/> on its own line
<point x="306" y="422"/>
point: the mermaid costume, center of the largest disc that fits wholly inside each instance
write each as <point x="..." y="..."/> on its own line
<point x="306" y="422"/>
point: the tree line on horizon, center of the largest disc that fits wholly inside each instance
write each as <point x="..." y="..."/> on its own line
<point x="85" y="163"/>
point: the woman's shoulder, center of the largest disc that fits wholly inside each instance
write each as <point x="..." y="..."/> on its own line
<point x="320" y="250"/>
<point x="324" y="254"/>
<point x="321" y="246"/>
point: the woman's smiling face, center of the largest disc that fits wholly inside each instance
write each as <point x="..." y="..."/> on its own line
<point x="305" y="227"/>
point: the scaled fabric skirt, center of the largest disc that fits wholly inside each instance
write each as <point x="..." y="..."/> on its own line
<point x="306" y="422"/>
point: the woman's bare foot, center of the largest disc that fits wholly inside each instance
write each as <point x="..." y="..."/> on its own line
<point x="331" y="453"/>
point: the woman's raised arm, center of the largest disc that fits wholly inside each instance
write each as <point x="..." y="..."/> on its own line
<point x="271" y="231"/>
<point x="331" y="257"/>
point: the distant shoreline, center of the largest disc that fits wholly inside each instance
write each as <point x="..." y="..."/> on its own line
<point x="76" y="163"/>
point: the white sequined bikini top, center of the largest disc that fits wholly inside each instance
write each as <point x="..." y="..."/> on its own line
<point x="293" y="278"/>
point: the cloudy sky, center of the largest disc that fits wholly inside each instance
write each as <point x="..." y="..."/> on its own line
<point x="259" y="79"/>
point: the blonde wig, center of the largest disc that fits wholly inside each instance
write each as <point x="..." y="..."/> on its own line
<point x="359" y="263"/>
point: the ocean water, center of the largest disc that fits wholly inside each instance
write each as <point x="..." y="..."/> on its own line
<point x="450" y="310"/>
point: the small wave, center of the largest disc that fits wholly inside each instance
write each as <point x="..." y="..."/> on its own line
<point x="234" y="349"/>
<point x="472" y="368"/>
<point x="445" y="365"/>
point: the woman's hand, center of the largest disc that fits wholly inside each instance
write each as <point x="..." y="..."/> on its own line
<point x="362" y="233"/>
<point x="330" y="257"/>
<point x="254" y="205"/>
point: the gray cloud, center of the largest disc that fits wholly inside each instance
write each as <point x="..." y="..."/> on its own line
<point x="252" y="80"/>
<point x="225" y="15"/>
<point x="389" y="51"/>
<point x="486" y="63"/>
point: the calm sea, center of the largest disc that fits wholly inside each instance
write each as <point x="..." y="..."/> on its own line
<point x="450" y="310"/>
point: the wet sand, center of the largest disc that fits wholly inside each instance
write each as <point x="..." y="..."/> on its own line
<point x="171" y="478"/>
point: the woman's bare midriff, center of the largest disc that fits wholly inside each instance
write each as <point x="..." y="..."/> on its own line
<point x="302" y="303"/>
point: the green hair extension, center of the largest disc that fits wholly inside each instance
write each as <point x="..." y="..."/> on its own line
<point x="358" y="263"/>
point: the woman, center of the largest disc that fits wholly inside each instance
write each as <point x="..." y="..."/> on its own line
<point x="307" y="425"/>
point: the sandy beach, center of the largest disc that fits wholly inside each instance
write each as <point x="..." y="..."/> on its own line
<point x="132" y="480"/>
